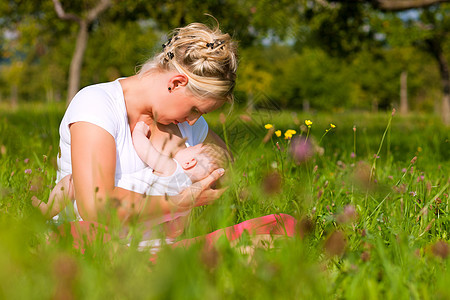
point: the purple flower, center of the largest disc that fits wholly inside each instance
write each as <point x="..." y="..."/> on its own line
<point x="352" y="155"/>
<point x="28" y="171"/>
<point x="301" y="149"/>
<point x="26" y="160"/>
<point x="404" y="170"/>
<point x="413" y="194"/>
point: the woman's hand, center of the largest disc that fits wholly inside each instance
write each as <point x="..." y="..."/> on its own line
<point x="200" y="193"/>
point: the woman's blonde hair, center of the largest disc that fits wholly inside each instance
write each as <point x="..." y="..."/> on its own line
<point x="206" y="56"/>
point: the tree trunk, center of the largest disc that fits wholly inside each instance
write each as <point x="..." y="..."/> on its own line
<point x="404" y="92"/>
<point x="77" y="61"/>
<point x="14" y="96"/>
<point x="82" y="38"/>
<point x="250" y="102"/>
<point x="445" y="78"/>
<point x="306" y="106"/>
<point x="436" y="49"/>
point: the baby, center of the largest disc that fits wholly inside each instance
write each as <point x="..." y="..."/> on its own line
<point x="172" y="167"/>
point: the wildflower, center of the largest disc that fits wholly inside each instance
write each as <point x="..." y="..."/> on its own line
<point x="272" y="183"/>
<point x="26" y="160"/>
<point x="268" y="135"/>
<point x="413" y="160"/>
<point x="308" y="123"/>
<point x="319" y="194"/>
<point x="245" y="118"/>
<point x="3" y="149"/>
<point x="222" y="118"/>
<point x="365" y="256"/>
<point x="305" y="227"/>
<point x="268" y="126"/>
<point x="440" y="249"/>
<point x="348" y="215"/>
<point x="289" y="133"/>
<point x="413" y="194"/>
<point x="278" y="133"/>
<point x="301" y="149"/>
<point x="332" y="125"/>
<point x="352" y="155"/>
<point x="28" y="171"/>
<point x="354" y="128"/>
<point x="393" y="112"/>
<point x="404" y="170"/>
<point x="336" y="244"/>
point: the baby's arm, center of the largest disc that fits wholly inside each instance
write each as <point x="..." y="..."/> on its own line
<point x="60" y="196"/>
<point x="159" y="162"/>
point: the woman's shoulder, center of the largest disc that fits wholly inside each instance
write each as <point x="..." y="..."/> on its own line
<point x="100" y="104"/>
<point x="99" y="96"/>
<point x="103" y="90"/>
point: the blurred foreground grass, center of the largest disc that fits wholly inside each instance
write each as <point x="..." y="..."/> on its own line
<point x="372" y="224"/>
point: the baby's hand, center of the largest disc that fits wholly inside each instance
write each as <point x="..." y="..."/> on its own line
<point x="142" y="127"/>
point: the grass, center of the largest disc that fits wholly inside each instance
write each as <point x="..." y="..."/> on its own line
<point x="370" y="227"/>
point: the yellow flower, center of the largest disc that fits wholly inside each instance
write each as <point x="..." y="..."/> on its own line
<point x="332" y="125"/>
<point x="289" y="133"/>
<point x="278" y="133"/>
<point x="308" y="123"/>
<point x="268" y="126"/>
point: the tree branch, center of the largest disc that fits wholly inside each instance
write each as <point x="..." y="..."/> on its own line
<point x="62" y="14"/>
<point x="97" y="10"/>
<point x="398" y="5"/>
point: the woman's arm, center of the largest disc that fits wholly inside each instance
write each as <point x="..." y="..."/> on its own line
<point x="93" y="169"/>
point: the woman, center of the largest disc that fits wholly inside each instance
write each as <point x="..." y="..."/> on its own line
<point x="193" y="75"/>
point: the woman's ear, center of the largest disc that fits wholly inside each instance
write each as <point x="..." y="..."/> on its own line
<point x="188" y="164"/>
<point x="178" y="80"/>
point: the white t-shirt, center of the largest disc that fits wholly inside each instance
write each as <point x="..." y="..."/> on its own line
<point x="104" y="105"/>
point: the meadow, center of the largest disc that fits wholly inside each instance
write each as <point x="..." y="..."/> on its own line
<point x="370" y="193"/>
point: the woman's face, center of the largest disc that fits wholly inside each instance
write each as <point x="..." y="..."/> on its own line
<point x="181" y="106"/>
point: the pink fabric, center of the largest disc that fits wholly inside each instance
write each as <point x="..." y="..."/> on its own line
<point x="84" y="232"/>
<point x="276" y="224"/>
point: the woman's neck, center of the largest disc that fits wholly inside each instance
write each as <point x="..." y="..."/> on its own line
<point x="137" y="93"/>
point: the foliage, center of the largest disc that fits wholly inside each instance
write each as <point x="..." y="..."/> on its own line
<point x="333" y="55"/>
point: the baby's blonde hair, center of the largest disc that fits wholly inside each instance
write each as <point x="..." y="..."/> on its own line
<point x="218" y="155"/>
<point x="206" y="56"/>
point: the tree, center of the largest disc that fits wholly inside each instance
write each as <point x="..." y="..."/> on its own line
<point x="434" y="21"/>
<point x="84" y="20"/>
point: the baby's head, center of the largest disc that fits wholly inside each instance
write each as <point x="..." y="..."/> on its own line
<point x="200" y="160"/>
